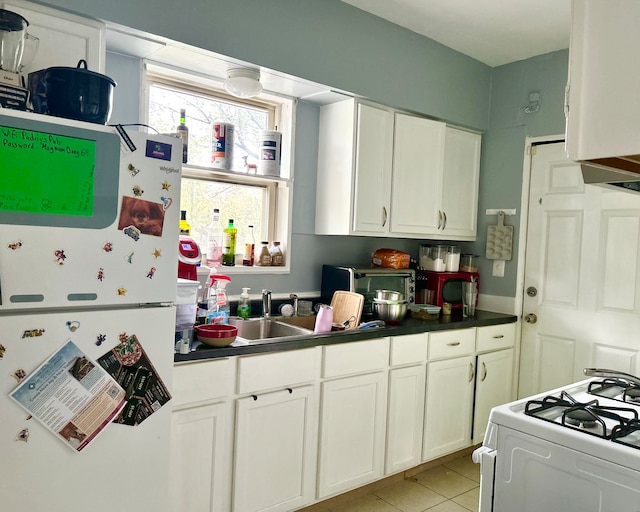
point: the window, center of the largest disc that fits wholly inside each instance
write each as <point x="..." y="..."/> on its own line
<point x="239" y="193"/>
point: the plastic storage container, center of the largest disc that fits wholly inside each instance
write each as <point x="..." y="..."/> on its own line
<point x="433" y="257"/>
<point x="452" y="259"/>
<point x="468" y="263"/>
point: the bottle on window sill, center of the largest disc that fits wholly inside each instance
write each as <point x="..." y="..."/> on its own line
<point x="183" y="131"/>
<point x="185" y="228"/>
<point x="248" y="258"/>
<point x="277" y="256"/>
<point x="264" y="258"/>
<point x="215" y="241"/>
<point x="229" y="250"/>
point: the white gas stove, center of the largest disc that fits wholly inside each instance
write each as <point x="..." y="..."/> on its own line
<point x="575" y="448"/>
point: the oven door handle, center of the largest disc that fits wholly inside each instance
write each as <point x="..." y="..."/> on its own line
<point x="486" y="457"/>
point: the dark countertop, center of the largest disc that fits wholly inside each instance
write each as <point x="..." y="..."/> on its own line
<point x="408" y="326"/>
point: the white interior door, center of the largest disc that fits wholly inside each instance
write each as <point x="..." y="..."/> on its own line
<point x="581" y="276"/>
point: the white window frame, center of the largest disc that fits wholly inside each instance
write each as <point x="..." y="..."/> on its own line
<point x="281" y="110"/>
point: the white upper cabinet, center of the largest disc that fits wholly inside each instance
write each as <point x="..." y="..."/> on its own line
<point x="603" y="104"/>
<point x="388" y="173"/>
<point x="65" y="38"/>
<point x="354" y="169"/>
<point x="418" y="160"/>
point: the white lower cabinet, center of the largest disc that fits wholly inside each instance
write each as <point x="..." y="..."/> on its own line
<point x="449" y="408"/>
<point x="405" y="418"/>
<point x="315" y="422"/>
<point x="352" y="425"/>
<point x="201" y="458"/>
<point x="493" y="387"/>
<point x="275" y="450"/>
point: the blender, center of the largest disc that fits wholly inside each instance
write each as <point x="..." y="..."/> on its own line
<point x="17" y="49"/>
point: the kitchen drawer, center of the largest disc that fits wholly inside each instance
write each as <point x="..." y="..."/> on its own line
<point x="202" y="381"/>
<point x="409" y="349"/>
<point x="446" y="344"/>
<point x="356" y="357"/>
<point x="276" y="370"/>
<point x="495" y="337"/>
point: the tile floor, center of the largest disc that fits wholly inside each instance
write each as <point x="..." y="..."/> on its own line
<point x="453" y="486"/>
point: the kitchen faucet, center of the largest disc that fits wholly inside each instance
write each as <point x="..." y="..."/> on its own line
<point x="295" y="303"/>
<point x="266" y="303"/>
<point x="613" y="374"/>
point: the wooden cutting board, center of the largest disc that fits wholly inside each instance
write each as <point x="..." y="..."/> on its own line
<point x="347" y="306"/>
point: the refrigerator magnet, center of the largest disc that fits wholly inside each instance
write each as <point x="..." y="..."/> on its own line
<point x="100" y="339"/>
<point x="129" y="257"/>
<point x="156" y="253"/>
<point x="166" y="202"/>
<point x="23" y="435"/>
<point x="166" y="185"/>
<point x="151" y="272"/>
<point x="60" y="256"/>
<point x="14" y="246"/>
<point x="133" y="170"/>
<point x="32" y="333"/>
<point x="137" y="191"/>
<point x="100" y="274"/>
<point x="19" y="375"/>
<point x="2" y="351"/>
<point x="107" y="247"/>
<point x="73" y="326"/>
<point x="122" y="291"/>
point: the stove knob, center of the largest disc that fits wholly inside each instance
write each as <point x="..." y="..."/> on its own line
<point x="531" y="318"/>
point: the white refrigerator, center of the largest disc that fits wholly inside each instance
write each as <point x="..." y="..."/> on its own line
<point x="88" y="254"/>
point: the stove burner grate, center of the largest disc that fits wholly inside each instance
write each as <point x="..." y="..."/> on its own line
<point x="586" y="417"/>
<point x="616" y="389"/>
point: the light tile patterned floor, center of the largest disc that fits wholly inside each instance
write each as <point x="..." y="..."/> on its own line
<point x="452" y="487"/>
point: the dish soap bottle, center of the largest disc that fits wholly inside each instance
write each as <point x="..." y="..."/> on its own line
<point x="229" y="248"/>
<point x="244" y="304"/>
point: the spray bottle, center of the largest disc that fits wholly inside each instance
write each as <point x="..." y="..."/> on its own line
<point x="218" y="312"/>
<point x="244" y="304"/>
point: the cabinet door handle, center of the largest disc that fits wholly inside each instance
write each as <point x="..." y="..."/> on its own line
<point x="444" y="224"/>
<point x="484" y="372"/>
<point x="499" y="336"/>
<point x="384" y="216"/>
<point x="439" y="219"/>
<point x="453" y="344"/>
<point x="471" y="372"/>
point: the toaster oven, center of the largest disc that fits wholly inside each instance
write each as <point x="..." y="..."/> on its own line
<point x="366" y="281"/>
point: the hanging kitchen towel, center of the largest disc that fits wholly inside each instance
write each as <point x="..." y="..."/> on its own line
<point x="499" y="240"/>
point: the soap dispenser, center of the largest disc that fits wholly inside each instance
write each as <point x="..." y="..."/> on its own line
<point x="244" y="304"/>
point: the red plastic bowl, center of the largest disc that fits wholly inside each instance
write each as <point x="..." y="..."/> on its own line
<point x="216" y="335"/>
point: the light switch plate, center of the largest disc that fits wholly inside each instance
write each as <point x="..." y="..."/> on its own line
<point x="498" y="268"/>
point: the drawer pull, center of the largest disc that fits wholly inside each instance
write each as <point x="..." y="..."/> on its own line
<point x="255" y="397"/>
<point x="499" y="336"/>
<point x="453" y="344"/>
<point x="290" y="390"/>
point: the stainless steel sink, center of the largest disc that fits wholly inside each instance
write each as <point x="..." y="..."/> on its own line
<point x="267" y="330"/>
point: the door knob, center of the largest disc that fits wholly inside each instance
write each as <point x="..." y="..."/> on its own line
<point x="531" y="318"/>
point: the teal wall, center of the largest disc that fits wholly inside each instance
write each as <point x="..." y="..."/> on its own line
<point x="503" y="147"/>
<point x="332" y="43"/>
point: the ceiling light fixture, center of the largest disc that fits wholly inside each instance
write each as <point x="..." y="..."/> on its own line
<point x="243" y="82"/>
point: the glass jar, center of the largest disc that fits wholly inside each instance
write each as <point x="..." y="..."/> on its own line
<point x="264" y="256"/>
<point x="277" y="256"/>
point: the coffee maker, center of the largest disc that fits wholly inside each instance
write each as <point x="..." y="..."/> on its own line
<point x="189" y="257"/>
<point x="17" y="49"/>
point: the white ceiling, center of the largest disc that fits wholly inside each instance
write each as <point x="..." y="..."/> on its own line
<point x="495" y="32"/>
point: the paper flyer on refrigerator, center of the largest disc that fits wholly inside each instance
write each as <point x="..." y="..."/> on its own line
<point x="72" y="396"/>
